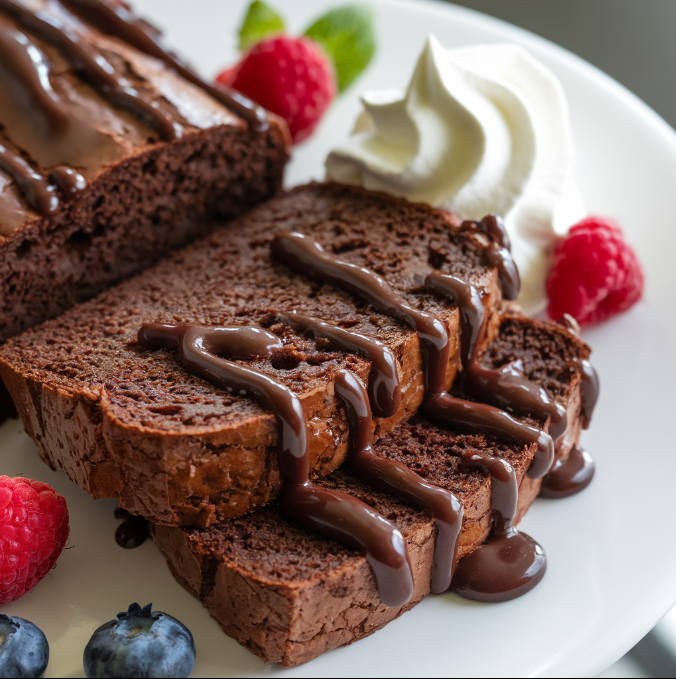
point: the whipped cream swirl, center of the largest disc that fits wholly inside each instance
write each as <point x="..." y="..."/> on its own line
<point x="479" y="129"/>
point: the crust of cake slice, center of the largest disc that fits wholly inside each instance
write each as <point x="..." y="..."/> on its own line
<point x="290" y="595"/>
<point x="123" y="422"/>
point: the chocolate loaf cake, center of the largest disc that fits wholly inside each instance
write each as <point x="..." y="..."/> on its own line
<point x="128" y="423"/>
<point x="289" y="594"/>
<point x="112" y="154"/>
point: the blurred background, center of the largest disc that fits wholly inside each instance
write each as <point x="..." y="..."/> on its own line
<point x="631" y="41"/>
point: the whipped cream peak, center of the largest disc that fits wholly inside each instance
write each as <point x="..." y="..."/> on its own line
<point x="479" y="129"/>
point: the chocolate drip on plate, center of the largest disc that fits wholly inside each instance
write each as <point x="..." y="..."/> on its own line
<point x="331" y="513"/>
<point x="305" y="255"/>
<point x="510" y="563"/>
<point x="132" y="532"/>
<point x="400" y="481"/>
<point x="569" y="477"/>
<point x="384" y="390"/>
<point x="93" y="67"/>
<point x="114" y="18"/>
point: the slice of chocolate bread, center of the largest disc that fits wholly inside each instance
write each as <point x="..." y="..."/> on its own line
<point x="124" y="422"/>
<point x="289" y="594"/>
<point x="111" y="155"/>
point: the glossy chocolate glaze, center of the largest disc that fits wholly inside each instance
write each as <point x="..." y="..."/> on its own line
<point x="114" y="18"/>
<point x="93" y="67"/>
<point x="132" y="532"/>
<point x="570" y="324"/>
<point x="305" y="255"/>
<point x="506" y="388"/>
<point x="491" y="421"/>
<point x="569" y="477"/>
<point x="23" y="66"/>
<point x="510" y="563"/>
<point x="69" y="181"/>
<point x="498" y="253"/>
<point x="24" y="79"/>
<point x="400" y="481"/>
<point x="384" y="389"/>
<point x="38" y="192"/>
<point x="590" y="390"/>
<point x="331" y="513"/>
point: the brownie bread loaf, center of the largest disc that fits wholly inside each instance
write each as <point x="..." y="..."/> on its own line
<point x="102" y="172"/>
<point x="132" y="424"/>
<point x="289" y="594"/>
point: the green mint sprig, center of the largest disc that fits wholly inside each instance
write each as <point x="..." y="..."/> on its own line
<point x="260" y="22"/>
<point x="345" y="34"/>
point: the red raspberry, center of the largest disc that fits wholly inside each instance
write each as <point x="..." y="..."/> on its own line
<point x="595" y="274"/>
<point x="33" y="531"/>
<point x="288" y="76"/>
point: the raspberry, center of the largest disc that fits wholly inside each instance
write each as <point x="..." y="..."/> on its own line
<point x="33" y="531"/>
<point x="288" y="76"/>
<point x="595" y="274"/>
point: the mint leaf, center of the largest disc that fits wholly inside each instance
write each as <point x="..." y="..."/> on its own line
<point x="348" y="38"/>
<point x="260" y="22"/>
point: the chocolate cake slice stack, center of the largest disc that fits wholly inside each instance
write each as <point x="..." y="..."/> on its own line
<point x="126" y="419"/>
<point x="124" y="422"/>
<point x="289" y="594"/>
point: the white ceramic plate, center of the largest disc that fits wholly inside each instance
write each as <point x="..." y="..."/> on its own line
<point x="612" y="553"/>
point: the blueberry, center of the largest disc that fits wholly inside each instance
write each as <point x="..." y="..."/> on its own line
<point x="140" y="643"/>
<point x="24" y="651"/>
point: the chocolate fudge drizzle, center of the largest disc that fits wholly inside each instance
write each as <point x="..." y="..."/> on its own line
<point x="93" y="67"/>
<point x="114" y="18"/>
<point x="569" y="477"/>
<point x="133" y="531"/>
<point x="305" y="255"/>
<point x="400" y="481"/>
<point x="326" y="511"/>
<point x="498" y="252"/>
<point x="505" y="388"/>
<point x="589" y="389"/>
<point x="510" y="563"/>
<point x="25" y="73"/>
<point x="384" y="390"/>
<point x="36" y="189"/>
